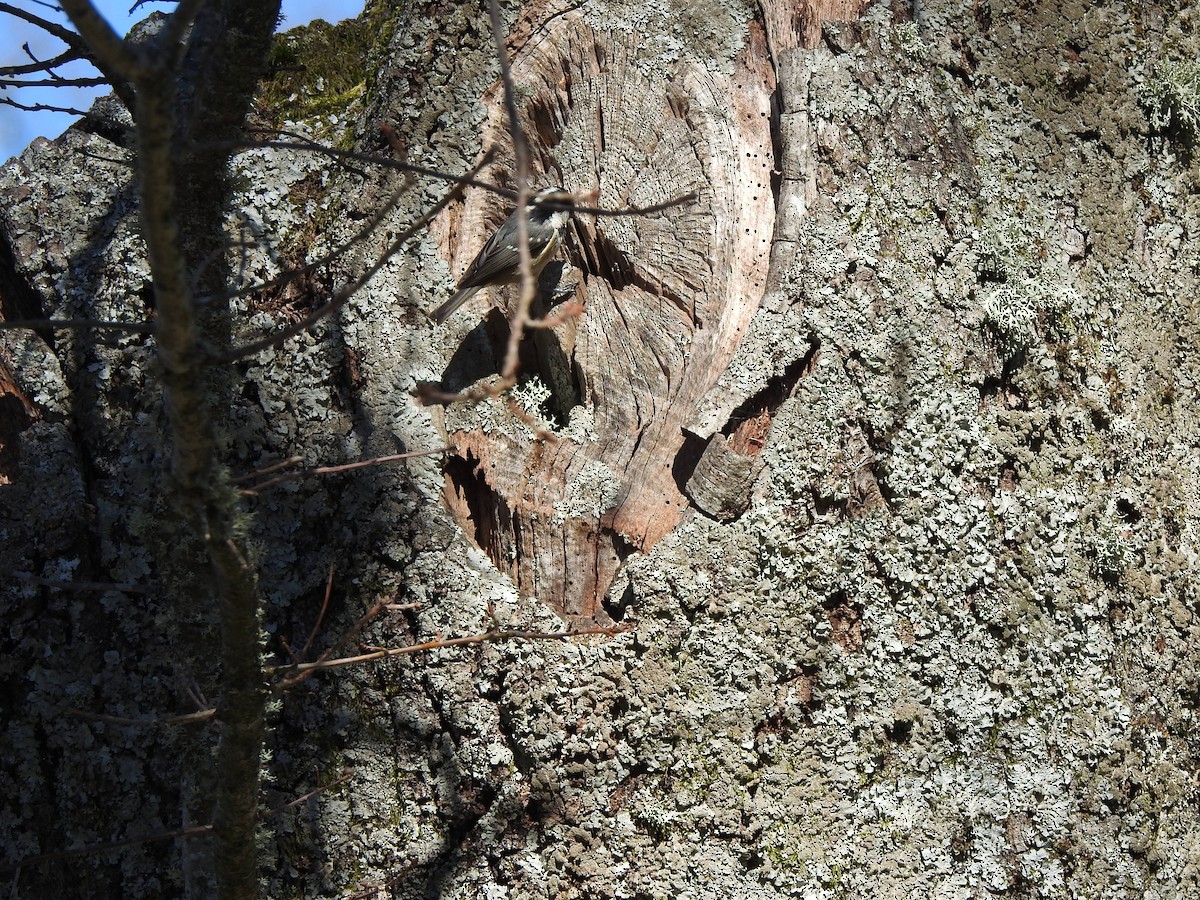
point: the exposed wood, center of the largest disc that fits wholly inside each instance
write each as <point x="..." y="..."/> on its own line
<point x="720" y="486"/>
<point x="667" y="299"/>
<point x="791" y="30"/>
<point x="16" y="414"/>
<point x="791" y="25"/>
<point x="16" y="411"/>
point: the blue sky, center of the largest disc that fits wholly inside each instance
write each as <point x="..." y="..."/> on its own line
<point x="18" y="128"/>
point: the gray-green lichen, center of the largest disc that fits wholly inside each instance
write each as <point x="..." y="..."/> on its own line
<point x="1173" y="95"/>
<point x="710" y="32"/>
<point x="948" y="651"/>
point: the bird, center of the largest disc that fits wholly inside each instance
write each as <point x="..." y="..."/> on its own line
<point x="499" y="262"/>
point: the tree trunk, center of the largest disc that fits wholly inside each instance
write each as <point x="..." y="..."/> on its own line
<point x="884" y="448"/>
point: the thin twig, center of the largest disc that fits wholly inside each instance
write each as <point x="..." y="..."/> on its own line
<point x="520" y="314"/>
<point x="331" y="470"/>
<point x="469" y="181"/>
<point x="79" y="325"/>
<point x="386" y="130"/>
<point x="39" y="65"/>
<point x="301" y="143"/>
<point x="681" y="200"/>
<point x="109" y="52"/>
<point x="312" y="635"/>
<point x="528" y="420"/>
<point x="430" y="393"/>
<point x="236" y="552"/>
<point x="202" y="715"/>
<point x="196" y="695"/>
<point x="283" y="277"/>
<point x="267" y="470"/>
<point x="68" y="37"/>
<point x="303" y="671"/>
<point x="342" y="297"/>
<point x="571" y="309"/>
<point x="520" y="146"/>
<point x="341" y="779"/>
<point x="484" y="637"/>
<point x="52" y="82"/>
<point x="217" y="253"/>
<point x="46" y="107"/>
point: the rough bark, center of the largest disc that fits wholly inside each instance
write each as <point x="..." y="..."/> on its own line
<point x="181" y="197"/>
<point x="936" y="638"/>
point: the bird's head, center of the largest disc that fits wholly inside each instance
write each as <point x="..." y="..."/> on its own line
<point x="551" y="203"/>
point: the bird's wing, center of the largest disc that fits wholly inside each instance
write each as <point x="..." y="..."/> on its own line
<point x="491" y="261"/>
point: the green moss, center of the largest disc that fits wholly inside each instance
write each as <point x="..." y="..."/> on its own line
<point x="381" y="20"/>
<point x="317" y="70"/>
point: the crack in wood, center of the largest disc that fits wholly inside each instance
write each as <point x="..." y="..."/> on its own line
<point x="560" y="517"/>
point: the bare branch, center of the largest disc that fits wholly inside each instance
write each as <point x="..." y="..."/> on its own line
<point x="299" y="142"/>
<point x="202" y="715"/>
<point x="482" y="638"/>
<point x="520" y="146"/>
<point x="386" y="130"/>
<point x="430" y="393"/>
<point x="44" y="107"/>
<point x="365" y="232"/>
<point x="79" y="325"/>
<point x="571" y="309"/>
<point x="681" y="200"/>
<point x="312" y="635"/>
<point x="520" y="314"/>
<point x="121" y="65"/>
<point x="539" y="432"/>
<point x="177" y="339"/>
<point x="68" y="37"/>
<point x="296" y="675"/>
<point x="347" y="467"/>
<point x="52" y="82"/>
<point x="215" y="255"/>
<point x="342" y="297"/>
<point x="341" y="779"/>
<point x="39" y="65"/>
<point x="267" y="470"/>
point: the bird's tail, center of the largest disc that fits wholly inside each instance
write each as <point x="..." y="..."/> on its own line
<point x="443" y="312"/>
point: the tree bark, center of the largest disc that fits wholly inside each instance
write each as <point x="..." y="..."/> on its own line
<point x="183" y="196"/>
<point x="885" y="450"/>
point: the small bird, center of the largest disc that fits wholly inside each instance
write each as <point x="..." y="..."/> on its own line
<point x="499" y="262"/>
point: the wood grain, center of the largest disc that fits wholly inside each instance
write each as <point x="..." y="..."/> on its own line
<point x="667" y="298"/>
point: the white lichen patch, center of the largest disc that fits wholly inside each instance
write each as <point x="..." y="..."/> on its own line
<point x="589" y="493"/>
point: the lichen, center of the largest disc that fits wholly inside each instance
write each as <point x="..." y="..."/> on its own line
<point x="1172" y="96"/>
